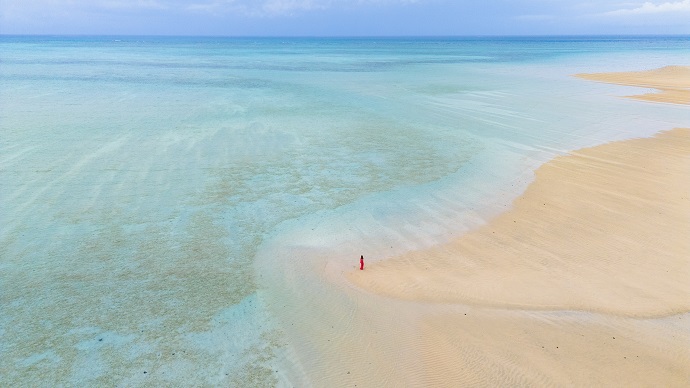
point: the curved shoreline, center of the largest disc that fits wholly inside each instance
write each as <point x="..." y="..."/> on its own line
<point x="672" y="83"/>
<point x="392" y="325"/>
<point x="584" y="230"/>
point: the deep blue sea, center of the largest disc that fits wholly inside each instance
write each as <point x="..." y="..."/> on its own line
<point x="141" y="177"/>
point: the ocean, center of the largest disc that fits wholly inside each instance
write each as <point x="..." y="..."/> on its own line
<point x="152" y="189"/>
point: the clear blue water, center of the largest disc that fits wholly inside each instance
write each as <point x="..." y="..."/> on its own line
<point x="140" y="177"/>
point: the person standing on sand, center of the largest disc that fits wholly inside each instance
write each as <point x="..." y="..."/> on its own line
<point x="361" y="262"/>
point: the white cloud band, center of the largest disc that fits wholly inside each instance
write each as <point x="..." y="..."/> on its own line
<point x="652" y="8"/>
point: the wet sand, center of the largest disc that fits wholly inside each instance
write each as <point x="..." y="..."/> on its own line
<point x="603" y="229"/>
<point x="584" y="282"/>
<point x="672" y="83"/>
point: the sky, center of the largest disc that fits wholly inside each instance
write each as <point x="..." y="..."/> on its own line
<point x="344" y="17"/>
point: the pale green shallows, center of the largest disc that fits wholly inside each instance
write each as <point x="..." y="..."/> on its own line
<point x="139" y="176"/>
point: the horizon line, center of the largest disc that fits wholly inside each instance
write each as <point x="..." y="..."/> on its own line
<point x="353" y="36"/>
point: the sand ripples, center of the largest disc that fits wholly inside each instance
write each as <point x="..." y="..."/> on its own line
<point x="541" y="296"/>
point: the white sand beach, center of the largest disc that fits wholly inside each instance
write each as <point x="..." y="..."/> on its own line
<point x="672" y="83"/>
<point x="584" y="282"/>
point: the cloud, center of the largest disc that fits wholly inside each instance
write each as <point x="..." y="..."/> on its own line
<point x="43" y="8"/>
<point x="287" y="6"/>
<point x="652" y="8"/>
<point x="257" y="8"/>
<point x="534" y="18"/>
<point x="48" y="9"/>
<point x="130" y="4"/>
<point x="283" y="7"/>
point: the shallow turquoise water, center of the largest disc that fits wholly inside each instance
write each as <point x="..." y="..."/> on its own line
<point x="140" y="176"/>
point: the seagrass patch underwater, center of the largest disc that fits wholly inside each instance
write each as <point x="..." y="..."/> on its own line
<point x="139" y="176"/>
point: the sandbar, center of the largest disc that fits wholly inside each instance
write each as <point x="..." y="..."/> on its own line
<point x="672" y="83"/>
<point x="603" y="229"/>
<point x="583" y="282"/>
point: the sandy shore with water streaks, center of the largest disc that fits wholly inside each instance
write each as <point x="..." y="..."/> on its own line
<point x="584" y="282"/>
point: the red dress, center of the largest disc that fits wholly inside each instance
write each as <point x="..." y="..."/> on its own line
<point x="361" y="262"/>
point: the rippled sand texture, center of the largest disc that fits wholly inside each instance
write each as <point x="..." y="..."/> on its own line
<point x="672" y="83"/>
<point x="185" y="211"/>
<point x="602" y="229"/>
<point x="582" y="283"/>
